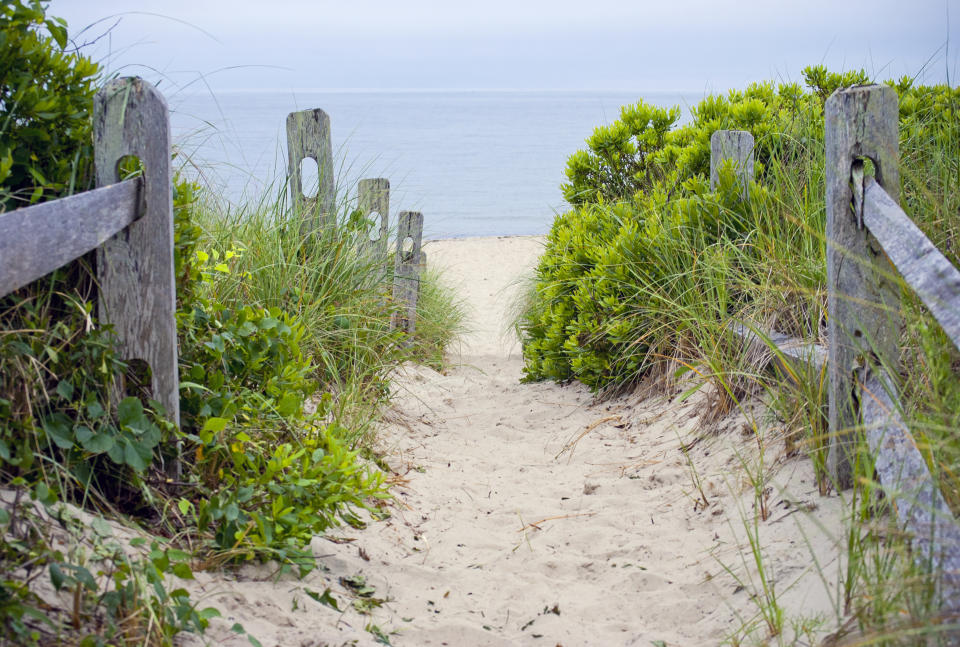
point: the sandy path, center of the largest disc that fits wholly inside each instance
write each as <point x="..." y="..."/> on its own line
<point x="504" y="534"/>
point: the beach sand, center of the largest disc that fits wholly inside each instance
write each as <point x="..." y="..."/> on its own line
<point x="531" y="514"/>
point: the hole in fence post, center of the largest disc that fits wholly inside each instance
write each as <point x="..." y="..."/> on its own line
<point x="406" y="249"/>
<point x="309" y="177"/>
<point x="375" y="226"/>
<point x="129" y="166"/>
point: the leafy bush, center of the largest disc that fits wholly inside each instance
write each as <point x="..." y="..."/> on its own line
<point x="46" y="95"/>
<point x="645" y="272"/>
<point x="264" y="315"/>
<point x="639" y="192"/>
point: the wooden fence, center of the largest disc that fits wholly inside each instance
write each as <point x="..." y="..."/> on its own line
<point x="308" y="141"/>
<point x="130" y="226"/>
<point x="872" y="249"/>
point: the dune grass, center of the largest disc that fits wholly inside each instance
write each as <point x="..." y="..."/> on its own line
<point x="340" y="288"/>
<point x="650" y="284"/>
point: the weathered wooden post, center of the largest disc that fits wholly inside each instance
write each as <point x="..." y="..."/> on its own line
<point x="863" y="301"/>
<point x="373" y="200"/>
<point x="308" y="137"/>
<point x="738" y="146"/>
<point x="406" y="275"/>
<point x="137" y="292"/>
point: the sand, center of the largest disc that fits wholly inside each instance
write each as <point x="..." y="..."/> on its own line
<point x="530" y="514"/>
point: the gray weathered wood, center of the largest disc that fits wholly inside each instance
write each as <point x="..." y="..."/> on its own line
<point x="925" y="269"/>
<point x="902" y="471"/>
<point x="736" y="145"/>
<point x="373" y="200"/>
<point x="862" y="300"/>
<point x="406" y="281"/>
<point x="35" y="241"/>
<point x="135" y="267"/>
<point x="308" y="136"/>
<point x="789" y="356"/>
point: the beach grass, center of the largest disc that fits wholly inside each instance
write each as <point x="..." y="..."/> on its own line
<point x="651" y="286"/>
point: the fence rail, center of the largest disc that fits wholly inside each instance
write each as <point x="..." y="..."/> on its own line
<point x="924" y="268"/>
<point x="128" y="224"/>
<point x="35" y="241"/>
<point x="872" y="245"/>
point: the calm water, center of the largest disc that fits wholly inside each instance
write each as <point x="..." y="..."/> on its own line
<point x="475" y="163"/>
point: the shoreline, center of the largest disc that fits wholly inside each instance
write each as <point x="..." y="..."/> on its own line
<point x="454" y="239"/>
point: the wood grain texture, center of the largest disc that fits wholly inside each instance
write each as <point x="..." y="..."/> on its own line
<point x="862" y="300"/>
<point x="925" y="269"/>
<point x="373" y="198"/>
<point x="406" y="274"/>
<point x="35" y="241"/>
<point x="902" y="471"/>
<point x="135" y="267"/>
<point x="736" y="145"/>
<point x="790" y="357"/>
<point x="308" y="136"/>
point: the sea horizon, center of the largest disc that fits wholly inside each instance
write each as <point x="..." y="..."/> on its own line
<point x="476" y="162"/>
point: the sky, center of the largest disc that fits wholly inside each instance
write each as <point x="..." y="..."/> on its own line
<point x="698" y="45"/>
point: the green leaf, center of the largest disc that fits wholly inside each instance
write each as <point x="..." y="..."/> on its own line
<point x="57" y="578"/>
<point x="268" y="322"/>
<point x="326" y="598"/>
<point x="132" y="457"/>
<point x="177" y="555"/>
<point x="98" y="443"/>
<point x="65" y="389"/>
<point x="95" y="410"/>
<point x="215" y="425"/>
<point x="58" y="430"/>
<point x="84" y="577"/>
<point x="289" y="405"/>
<point x="210" y="612"/>
<point x="686" y="394"/>
<point x="182" y="570"/>
<point x="129" y="411"/>
<point x="115" y="452"/>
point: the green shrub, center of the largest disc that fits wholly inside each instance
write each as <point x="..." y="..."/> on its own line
<point x="46" y="96"/>
<point x="639" y="195"/>
<point x="265" y="317"/>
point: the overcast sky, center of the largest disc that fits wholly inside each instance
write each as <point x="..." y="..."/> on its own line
<point x="698" y="45"/>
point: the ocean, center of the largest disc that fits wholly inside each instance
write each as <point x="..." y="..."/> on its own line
<point x="476" y="163"/>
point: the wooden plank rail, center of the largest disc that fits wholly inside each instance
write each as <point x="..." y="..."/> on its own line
<point x="788" y="355"/>
<point x="37" y="240"/>
<point x="869" y="241"/>
<point x="905" y="479"/>
<point x="925" y="269"/>
<point x="128" y="224"/>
